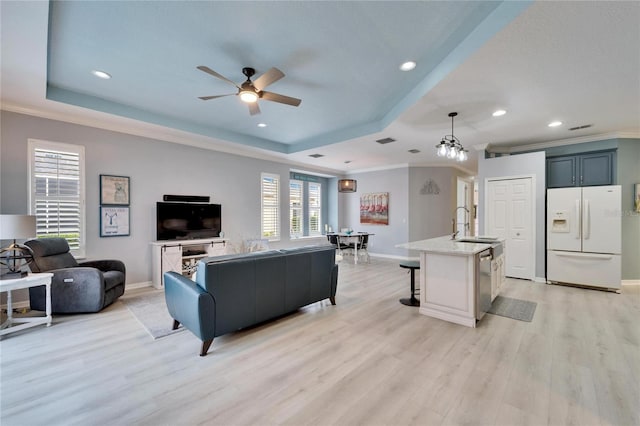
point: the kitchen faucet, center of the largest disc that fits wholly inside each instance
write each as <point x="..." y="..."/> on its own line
<point x="454" y="223"/>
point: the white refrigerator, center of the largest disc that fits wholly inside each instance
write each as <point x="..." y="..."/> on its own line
<point x="584" y="236"/>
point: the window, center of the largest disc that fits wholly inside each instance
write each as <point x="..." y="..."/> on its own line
<point x="296" y="193"/>
<point x="315" y="207"/>
<point x="270" y="196"/>
<point x="56" y="191"/>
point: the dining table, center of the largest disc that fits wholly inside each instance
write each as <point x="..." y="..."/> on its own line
<point x="352" y="239"/>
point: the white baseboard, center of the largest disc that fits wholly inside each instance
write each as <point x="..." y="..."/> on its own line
<point x="630" y="282"/>
<point x="392" y="256"/>
<point x="540" y="280"/>
<point x="134" y="286"/>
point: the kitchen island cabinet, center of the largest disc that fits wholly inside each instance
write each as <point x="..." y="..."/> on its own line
<point x="448" y="272"/>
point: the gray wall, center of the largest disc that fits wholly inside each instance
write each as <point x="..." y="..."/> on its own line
<point x="518" y="165"/>
<point x="431" y="214"/>
<point x="155" y="168"/>
<point x="396" y="183"/>
<point x="629" y="175"/>
<point x="412" y="215"/>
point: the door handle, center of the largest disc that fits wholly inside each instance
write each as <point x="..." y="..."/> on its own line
<point x="578" y="222"/>
<point x="586" y="220"/>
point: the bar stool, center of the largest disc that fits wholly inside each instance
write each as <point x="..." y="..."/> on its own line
<point x="412" y="265"/>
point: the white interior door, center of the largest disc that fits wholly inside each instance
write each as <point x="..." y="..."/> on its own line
<point x="510" y="216"/>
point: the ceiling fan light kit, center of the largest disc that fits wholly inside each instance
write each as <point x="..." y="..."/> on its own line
<point x="248" y="96"/>
<point x="450" y="146"/>
<point x="250" y="91"/>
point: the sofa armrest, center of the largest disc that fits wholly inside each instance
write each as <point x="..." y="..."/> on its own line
<point x="75" y="290"/>
<point x="190" y="305"/>
<point x="105" y="265"/>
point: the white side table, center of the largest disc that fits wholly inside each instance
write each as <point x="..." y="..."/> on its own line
<point x="31" y="280"/>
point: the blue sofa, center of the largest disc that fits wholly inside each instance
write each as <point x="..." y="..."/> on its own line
<point x="233" y="292"/>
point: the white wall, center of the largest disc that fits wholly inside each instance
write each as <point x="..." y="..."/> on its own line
<point x="518" y="165"/>
<point x="155" y="168"/>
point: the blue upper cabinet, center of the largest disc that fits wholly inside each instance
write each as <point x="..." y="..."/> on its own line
<point x="592" y="169"/>
<point x="561" y="171"/>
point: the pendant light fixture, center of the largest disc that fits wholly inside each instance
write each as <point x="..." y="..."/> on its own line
<point x="450" y="146"/>
<point x="347" y="185"/>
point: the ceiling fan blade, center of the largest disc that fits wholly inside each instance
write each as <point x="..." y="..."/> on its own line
<point x="275" y="97"/>
<point x="215" y="74"/>
<point x="254" y="109"/>
<point x="206" y="98"/>
<point x="269" y="77"/>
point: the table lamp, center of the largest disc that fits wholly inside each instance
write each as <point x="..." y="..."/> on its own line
<point x="16" y="227"/>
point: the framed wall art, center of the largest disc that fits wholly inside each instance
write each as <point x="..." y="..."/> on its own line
<point x="114" y="221"/>
<point x="374" y="208"/>
<point x="636" y="201"/>
<point x="114" y="190"/>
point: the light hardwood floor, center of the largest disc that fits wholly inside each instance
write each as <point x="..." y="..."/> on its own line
<point x="369" y="360"/>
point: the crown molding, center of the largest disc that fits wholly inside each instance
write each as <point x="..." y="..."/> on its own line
<point x="377" y="169"/>
<point x="571" y="141"/>
<point x="412" y="165"/>
<point x="132" y="127"/>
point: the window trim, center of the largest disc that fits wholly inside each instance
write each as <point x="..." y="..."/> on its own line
<point x="32" y="145"/>
<point x="278" y="232"/>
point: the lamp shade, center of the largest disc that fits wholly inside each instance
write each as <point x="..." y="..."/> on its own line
<point x="17" y="227"/>
<point x="347" y="185"/>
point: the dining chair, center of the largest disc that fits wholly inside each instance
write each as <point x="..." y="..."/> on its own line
<point x="363" y="243"/>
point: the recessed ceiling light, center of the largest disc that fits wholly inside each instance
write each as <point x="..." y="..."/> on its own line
<point x="101" y="74"/>
<point x="555" y="124"/>
<point x="262" y="124"/>
<point x="499" y="112"/>
<point x="408" y="66"/>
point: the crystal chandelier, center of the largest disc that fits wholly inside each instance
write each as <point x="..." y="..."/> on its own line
<point x="450" y="147"/>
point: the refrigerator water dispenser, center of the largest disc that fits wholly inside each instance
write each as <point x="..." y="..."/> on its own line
<point x="560" y="222"/>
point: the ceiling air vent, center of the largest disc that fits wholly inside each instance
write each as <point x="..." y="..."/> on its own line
<point x="414" y="151"/>
<point x="586" y="126"/>
<point x="316" y="155"/>
<point x="385" y="141"/>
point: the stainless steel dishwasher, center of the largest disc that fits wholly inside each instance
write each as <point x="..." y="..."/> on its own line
<point x="483" y="282"/>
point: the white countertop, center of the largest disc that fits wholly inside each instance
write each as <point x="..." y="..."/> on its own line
<point x="445" y="245"/>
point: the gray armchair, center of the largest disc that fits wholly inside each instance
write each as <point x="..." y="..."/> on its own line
<point x="75" y="287"/>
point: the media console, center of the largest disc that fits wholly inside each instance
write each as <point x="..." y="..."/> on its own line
<point x="182" y="256"/>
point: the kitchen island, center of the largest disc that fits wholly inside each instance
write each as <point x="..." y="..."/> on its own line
<point x="453" y="284"/>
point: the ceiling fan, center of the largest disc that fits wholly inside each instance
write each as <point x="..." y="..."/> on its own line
<point x="251" y="91"/>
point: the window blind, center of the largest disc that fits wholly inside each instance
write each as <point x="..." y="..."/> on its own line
<point x="315" y="207"/>
<point x="296" y="193"/>
<point x="56" y="191"/>
<point x="270" y="196"/>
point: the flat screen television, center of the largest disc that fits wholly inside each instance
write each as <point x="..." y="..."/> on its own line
<point x="188" y="221"/>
